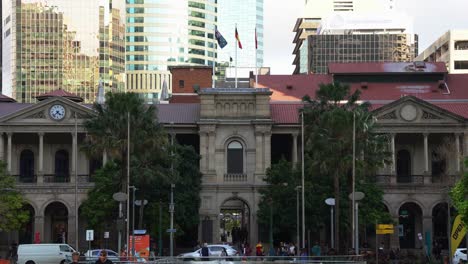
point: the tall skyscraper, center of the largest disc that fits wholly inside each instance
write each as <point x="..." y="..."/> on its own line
<point x="56" y="44"/>
<point x="316" y="10"/>
<point x="248" y="16"/>
<point x="162" y="33"/>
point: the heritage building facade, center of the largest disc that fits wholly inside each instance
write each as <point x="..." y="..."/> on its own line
<point x="239" y="133"/>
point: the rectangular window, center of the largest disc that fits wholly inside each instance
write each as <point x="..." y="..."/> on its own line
<point x="461" y="65"/>
<point x="181" y="83"/>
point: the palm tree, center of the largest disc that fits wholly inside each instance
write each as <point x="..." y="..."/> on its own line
<point x="329" y="143"/>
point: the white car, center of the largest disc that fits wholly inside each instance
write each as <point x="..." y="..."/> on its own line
<point x="460" y="254"/>
<point x="93" y="254"/>
<point x="214" y="250"/>
<point x="44" y="253"/>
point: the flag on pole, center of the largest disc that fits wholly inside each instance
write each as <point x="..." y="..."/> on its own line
<point x="221" y="40"/>
<point x="238" y="39"/>
<point x="256" y="41"/>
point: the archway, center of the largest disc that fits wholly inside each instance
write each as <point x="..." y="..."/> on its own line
<point x="56" y="223"/>
<point x="410" y="217"/>
<point x="439" y="225"/>
<point x="26" y="232"/>
<point x="234" y="224"/>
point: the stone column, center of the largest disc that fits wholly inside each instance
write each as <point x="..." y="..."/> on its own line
<point x="427" y="229"/>
<point x="39" y="227"/>
<point x="203" y="151"/>
<point x="258" y="153"/>
<point x="427" y="178"/>
<point x="211" y="151"/>
<point x="393" y="178"/>
<point x="71" y="234"/>
<point x="394" y="239"/>
<point x="267" y="150"/>
<point x="40" y="172"/>
<point x="2" y="147"/>
<point x="294" y="149"/>
<point x="9" y="134"/>
<point x="457" y="152"/>
<point x="74" y="153"/>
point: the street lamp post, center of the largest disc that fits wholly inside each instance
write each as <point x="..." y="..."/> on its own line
<point x="302" y="180"/>
<point x="120" y="197"/>
<point x="356" y="197"/>
<point x="133" y="219"/>
<point x="297" y="216"/>
<point x="331" y="203"/>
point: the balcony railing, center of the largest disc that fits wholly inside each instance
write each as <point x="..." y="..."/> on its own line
<point x="25" y="178"/>
<point x="53" y="178"/>
<point x="388" y="179"/>
<point x="235" y="177"/>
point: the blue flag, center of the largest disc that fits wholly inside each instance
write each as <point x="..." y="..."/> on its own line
<point x="221" y="40"/>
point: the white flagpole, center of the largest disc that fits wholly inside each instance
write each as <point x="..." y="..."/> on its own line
<point x="214" y="59"/>
<point x="256" y="64"/>
<point x="235" y="63"/>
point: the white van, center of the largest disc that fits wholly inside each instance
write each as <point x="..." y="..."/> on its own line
<point x="44" y="253"/>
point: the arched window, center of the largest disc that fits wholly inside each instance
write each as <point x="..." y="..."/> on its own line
<point x="26" y="166"/>
<point x="62" y="172"/>
<point x="235" y="158"/>
<point x="403" y="166"/>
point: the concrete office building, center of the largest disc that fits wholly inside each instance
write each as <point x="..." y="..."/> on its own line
<point x="316" y="10"/>
<point x="451" y="48"/>
<point x="163" y="33"/>
<point x="55" y="44"/>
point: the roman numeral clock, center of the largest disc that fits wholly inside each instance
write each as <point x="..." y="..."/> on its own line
<point x="57" y="112"/>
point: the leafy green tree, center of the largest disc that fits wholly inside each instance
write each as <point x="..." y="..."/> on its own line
<point x="12" y="212"/>
<point x="459" y="194"/>
<point x="329" y="140"/>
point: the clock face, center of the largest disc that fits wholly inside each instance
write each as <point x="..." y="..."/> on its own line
<point x="57" y="112"/>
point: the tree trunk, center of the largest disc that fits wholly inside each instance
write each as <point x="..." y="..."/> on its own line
<point x="337" y="212"/>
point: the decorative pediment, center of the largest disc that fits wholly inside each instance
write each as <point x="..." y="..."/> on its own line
<point x="410" y="109"/>
<point x="53" y="111"/>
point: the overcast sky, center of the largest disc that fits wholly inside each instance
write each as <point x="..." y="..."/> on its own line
<point x="431" y="19"/>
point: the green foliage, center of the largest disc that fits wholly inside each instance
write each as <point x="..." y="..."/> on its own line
<point x="12" y="212"/>
<point x="459" y="194"/>
<point x="328" y="122"/>
<point x="154" y="165"/>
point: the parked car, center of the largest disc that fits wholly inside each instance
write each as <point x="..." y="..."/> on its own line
<point x="460" y="254"/>
<point x="44" y="253"/>
<point x="93" y="254"/>
<point x="214" y="250"/>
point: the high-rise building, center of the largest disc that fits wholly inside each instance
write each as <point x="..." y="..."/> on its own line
<point x="451" y="48"/>
<point x="71" y="45"/>
<point x="163" y="33"/>
<point x="248" y="16"/>
<point x="316" y="10"/>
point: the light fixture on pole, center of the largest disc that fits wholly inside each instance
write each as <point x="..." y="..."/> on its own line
<point x="331" y="203"/>
<point x="356" y="196"/>
<point x="297" y="217"/>
<point x="302" y="180"/>
<point x="120" y="197"/>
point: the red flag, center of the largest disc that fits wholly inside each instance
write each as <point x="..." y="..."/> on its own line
<point x="256" y="42"/>
<point x="238" y="40"/>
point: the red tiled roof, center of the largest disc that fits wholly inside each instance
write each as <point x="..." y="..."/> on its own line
<point x="178" y="113"/>
<point x="59" y="93"/>
<point x="6" y="99"/>
<point x="285" y="113"/>
<point x="385" y="67"/>
<point x="292" y="87"/>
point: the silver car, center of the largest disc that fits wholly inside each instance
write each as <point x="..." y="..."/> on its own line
<point x="214" y="250"/>
<point x="94" y="254"/>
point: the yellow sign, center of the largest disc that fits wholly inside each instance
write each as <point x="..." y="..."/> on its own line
<point x="384" y="231"/>
<point x="382" y="226"/>
<point x="458" y="233"/>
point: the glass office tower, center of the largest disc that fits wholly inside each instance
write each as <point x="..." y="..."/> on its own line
<point x="56" y="44"/>
<point x="162" y="33"/>
<point x="248" y="15"/>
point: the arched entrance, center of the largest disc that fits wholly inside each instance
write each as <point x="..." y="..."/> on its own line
<point x="234" y="222"/>
<point x="26" y="232"/>
<point x="56" y="223"/>
<point x="410" y="217"/>
<point x="439" y="225"/>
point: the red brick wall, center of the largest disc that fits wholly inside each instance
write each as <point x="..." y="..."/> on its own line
<point x="190" y="77"/>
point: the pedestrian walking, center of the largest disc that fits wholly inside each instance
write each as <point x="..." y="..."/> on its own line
<point x="316" y="250"/>
<point x="205" y="252"/>
<point x="13" y="253"/>
<point x="75" y="258"/>
<point x="259" y="249"/>
<point x="103" y="258"/>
